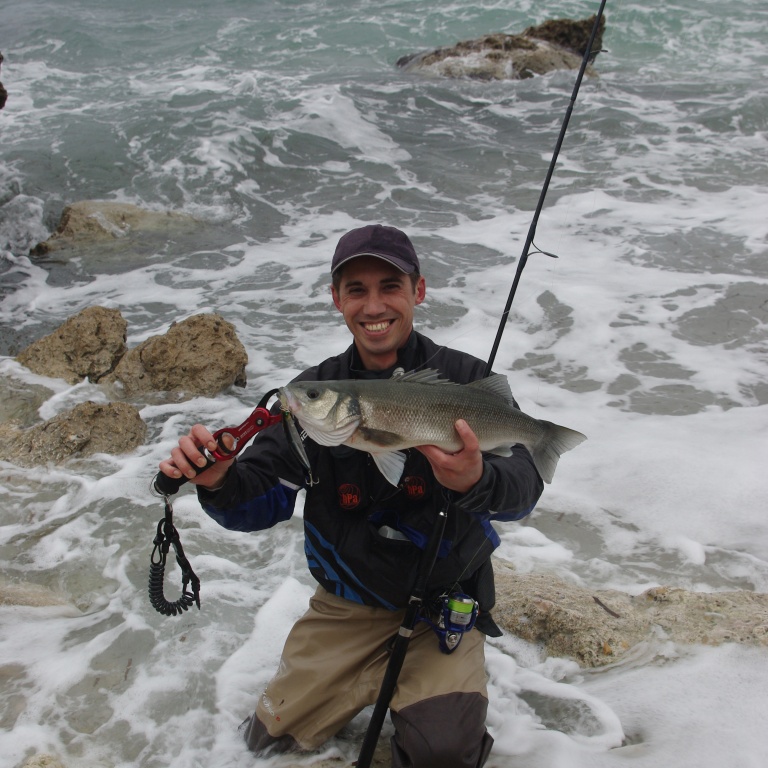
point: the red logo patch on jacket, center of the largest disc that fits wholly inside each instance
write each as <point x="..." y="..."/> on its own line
<point x="415" y="487"/>
<point x="349" y="496"/>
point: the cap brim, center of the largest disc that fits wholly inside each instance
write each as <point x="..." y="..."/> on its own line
<point x="401" y="264"/>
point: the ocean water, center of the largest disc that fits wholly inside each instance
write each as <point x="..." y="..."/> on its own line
<point x="282" y="125"/>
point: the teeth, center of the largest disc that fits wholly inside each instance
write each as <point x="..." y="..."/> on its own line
<point x="377" y="326"/>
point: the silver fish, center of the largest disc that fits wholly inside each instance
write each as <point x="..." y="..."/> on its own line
<point x="384" y="417"/>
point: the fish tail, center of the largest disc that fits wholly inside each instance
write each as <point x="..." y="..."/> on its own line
<point x="555" y="441"/>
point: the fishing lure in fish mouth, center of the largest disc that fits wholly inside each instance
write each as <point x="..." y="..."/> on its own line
<point x="297" y="444"/>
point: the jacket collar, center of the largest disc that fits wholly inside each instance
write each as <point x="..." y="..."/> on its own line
<point x="408" y="358"/>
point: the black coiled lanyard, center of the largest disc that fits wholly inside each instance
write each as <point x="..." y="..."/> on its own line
<point x="166" y="537"/>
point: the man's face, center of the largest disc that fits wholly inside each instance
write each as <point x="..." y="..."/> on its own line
<point x="377" y="302"/>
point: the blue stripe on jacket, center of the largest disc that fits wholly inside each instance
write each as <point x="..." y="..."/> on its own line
<point x="342" y="589"/>
<point x="273" y="507"/>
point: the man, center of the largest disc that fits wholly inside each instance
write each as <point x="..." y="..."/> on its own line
<point x="363" y="537"/>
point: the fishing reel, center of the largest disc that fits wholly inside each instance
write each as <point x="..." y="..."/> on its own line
<point x="455" y="614"/>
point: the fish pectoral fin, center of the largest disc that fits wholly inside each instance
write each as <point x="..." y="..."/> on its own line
<point x="378" y="437"/>
<point x="390" y="464"/>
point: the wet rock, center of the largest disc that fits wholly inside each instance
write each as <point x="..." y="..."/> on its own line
<point x="197" y="356"/>
<point x="91" y="222"/>
<point x="43" y="761"/>
<point x="556" y="44"/>
<point x="20" y="401"/>
<point x="34" y="595"/>
<point x="87" y="429"/>
<point x="88" y="345"/>
<point x="596" y="627"/>
<point x="569" y="34"/>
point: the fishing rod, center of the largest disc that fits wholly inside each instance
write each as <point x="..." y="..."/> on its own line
<point x="429" y="555"/>
<point x="550" y="171"/>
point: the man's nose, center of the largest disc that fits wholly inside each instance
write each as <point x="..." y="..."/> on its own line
<point x="374" y="303"/>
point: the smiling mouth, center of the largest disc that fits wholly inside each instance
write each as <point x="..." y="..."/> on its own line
<point x="377" y="327"/>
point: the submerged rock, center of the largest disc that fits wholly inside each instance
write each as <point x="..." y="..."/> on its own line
<point x="86" y="429"/>
<point x="597" y="627"/>
<point x="197" y="356"/>
<point x="20" y="401"/>
<point x="87" y="345"/>
<point x="556" y="44"/>
<point x="32" y="595"/>
<point x="91" y="222"/>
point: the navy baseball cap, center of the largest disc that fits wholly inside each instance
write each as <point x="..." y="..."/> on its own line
<point x="386" y="243"/>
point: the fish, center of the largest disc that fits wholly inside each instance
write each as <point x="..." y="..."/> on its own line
<point x="387" y="416"/>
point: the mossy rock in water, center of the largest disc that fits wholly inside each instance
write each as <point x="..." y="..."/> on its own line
<point x="557" y="44"/>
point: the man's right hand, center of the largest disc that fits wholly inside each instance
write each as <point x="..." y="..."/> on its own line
<point x="187" y="458"/>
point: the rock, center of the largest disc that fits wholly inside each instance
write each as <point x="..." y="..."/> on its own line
<point x="556" y="44"/>
<point x="711" y="618"/>
<point x="197" y="356"/>
<point x="29" y="594"/>
<point x="88" y="428"/>
<point x="20" y="401"/>
<point x="569" y="34"/>
<point x="91" y="221"/>
<point x="88" y="345"/>
<point x="596" y="627"/>
<point x="43" y="761"/>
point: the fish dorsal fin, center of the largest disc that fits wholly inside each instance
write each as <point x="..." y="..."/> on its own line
<point x="427" y="376"/>
<point x="496" y="384"/>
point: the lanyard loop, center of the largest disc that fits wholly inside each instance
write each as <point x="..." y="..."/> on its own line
<point x="168" y="536"/>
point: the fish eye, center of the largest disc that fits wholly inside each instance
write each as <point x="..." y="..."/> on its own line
<point x="313" y="394"/>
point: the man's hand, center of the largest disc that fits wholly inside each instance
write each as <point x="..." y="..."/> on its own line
<point x="461" y="470"/>
<point x="187" y="456"/>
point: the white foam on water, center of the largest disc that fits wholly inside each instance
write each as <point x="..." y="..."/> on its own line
<point x="281" y="133"/>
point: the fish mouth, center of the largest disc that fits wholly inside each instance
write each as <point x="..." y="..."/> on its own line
<point x="287" y="401"/>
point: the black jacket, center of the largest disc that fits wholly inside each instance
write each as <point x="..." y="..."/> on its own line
<point x="362" y="535"/>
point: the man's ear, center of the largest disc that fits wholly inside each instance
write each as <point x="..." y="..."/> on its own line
<point x="335" y="294"/>
<point x="421" y="289"/>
